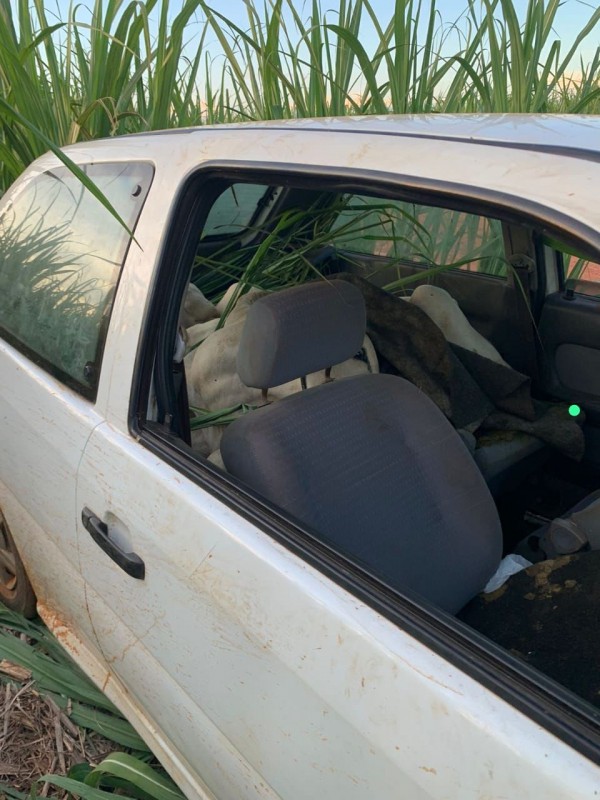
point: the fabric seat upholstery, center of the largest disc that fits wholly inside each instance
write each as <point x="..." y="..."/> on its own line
<point x="368" y="463"/>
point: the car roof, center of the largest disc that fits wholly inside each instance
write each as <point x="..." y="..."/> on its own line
<point x="541" y="132"/>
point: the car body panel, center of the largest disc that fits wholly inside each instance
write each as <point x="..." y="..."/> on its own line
<point x="274" y="681"/>
<point x="45" y="427"/>
<point x="552" y="131"/>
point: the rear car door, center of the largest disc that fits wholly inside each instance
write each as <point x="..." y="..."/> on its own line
<point x="569" y="332"/>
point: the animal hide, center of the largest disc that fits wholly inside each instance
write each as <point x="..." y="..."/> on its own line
<point x="475" y="392"/>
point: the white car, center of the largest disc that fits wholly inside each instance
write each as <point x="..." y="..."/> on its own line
<point x="286" y="601"/>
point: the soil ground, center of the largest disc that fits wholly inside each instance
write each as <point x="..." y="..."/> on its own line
<point x="37" y="738"/>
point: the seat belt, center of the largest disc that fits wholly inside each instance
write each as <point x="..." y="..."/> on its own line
<point x="523" y="271"/>
<point x="180" y="422"/>
<point x="523" y="278"/>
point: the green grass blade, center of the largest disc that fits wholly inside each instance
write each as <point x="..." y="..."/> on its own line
<point x="136" y="773"/>
<point x="62" y="678"/>
<point x="378" y="104"/>
<point x="77" y="788"/>
<point x="8" y="791"/>
<point x="111" y="727"/>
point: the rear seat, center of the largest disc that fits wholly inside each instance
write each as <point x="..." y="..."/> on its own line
<point x="505" y="458"/>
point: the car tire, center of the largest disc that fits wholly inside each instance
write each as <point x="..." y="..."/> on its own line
<point x="16" y="591"/>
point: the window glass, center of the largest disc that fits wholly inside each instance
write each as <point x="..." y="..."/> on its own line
<point x="421" y="235"/>
<point x="234" y="209"/>
<point x="580" y="273"/>
<point x="61" y="253"/>
<point x="581" y="269"/>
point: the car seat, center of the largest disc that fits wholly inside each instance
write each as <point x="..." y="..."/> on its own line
<point x="369" y="462"/>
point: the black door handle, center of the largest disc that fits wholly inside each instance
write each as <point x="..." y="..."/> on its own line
<point x="131" y="563"/>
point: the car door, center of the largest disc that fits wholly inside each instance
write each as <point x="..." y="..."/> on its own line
<point x="251" y="672"/>
<point x="59" y="264"/>
<point x="569" y="331"/>
<point x="254" y="676"/>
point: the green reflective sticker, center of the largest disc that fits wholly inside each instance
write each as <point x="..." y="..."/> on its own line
<point x="574" y="410"/>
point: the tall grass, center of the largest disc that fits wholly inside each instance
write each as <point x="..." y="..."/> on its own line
<point x="132" y="66"/>
<point x="56" y="677"/>
<point x="520" y="66"/>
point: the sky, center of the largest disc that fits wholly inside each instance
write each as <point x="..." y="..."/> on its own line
<point x="571" y="16"/>
<point x="570" y="19"/>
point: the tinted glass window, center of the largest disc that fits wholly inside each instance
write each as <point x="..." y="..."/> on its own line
<point x="61" y="253"/>
<point x="421" y="235"/>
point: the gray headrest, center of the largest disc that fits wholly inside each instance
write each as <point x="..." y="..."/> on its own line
<point x="297" y="331"/>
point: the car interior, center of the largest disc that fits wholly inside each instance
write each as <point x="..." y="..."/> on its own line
<point x="416" y="384"/>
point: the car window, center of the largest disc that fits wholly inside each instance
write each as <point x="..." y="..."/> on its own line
<point x="581" y="274"/>
<point x="234" y="209"/>
<point x="60" y="258"/>
<point x="421" y="235"/>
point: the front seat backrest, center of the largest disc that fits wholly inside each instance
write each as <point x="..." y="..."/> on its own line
<point x="369" y="463"/>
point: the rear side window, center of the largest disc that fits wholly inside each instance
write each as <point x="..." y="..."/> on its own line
<point x="422" y="235"/>
<point x="61" y="254"/>
<point x="581" y="274"/>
